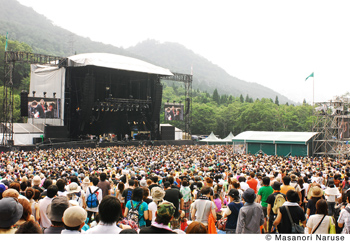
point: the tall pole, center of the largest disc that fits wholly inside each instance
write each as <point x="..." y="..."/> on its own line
<point x="313" y="91"/>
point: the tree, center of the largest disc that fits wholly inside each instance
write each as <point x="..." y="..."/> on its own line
<point x="216" y="96"/>
<point x="276" y="101"/>
<point x="241" y="99"/>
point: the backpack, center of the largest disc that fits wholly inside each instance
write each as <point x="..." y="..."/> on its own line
<point x="91" y="200"/>
<point x="279" y="200"/>
<point x="133" y="213"/>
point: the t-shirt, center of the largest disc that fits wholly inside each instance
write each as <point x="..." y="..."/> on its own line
<point x="264" y="192"/>
<point x="297" y="214"/>
<point x="127" y="193"/>
<point x="232" y="218"/>
<point x="311" y="204"/>
<point x="143" y="207"/>
<point x="315" y="219"/>
<point x="105" y="187"/>
<point x="173" y="195"/>
<point x="285" y="189"/>
<point x="253" y="184"/>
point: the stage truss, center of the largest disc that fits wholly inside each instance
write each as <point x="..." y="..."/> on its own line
<point x="187" y="80"/>
<point x="332" y="126"/>
<point x="11" y="57"/>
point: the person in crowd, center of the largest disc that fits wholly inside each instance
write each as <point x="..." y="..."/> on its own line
<point x="43" y="204"/>
<point x="104" y="185"/>
<point x="73" y="220"/>
<point x="316" y="194"/>
<point x="165" y="212"/>
<point x="10" y="212"/>
<point x="272" y="205"/>
<point x="109" y="212"/>
<point x="55" y="213"/>
<point x="173" y="195"/>
<point x="94" y="189"/>
<point x="137" y="203"/>
<point x="344" y="217"/>
<point x="232" y="210"/>
<point x="196" y="228"/>
<point x="250" y="216"/>
<point x="187" y="196"/>
<point x="27" y="212"/>
<point x="283" y="221"/>
<point x="29" y="227"/>
<point x="263" y="193"/>
<point x="203" y="206"/>
<point x="319" y="223"/>
<point x="332" y="194"/>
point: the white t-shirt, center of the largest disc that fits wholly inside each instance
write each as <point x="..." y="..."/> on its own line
<point x="314" y="220"/>
<point x="104" y="229"/>
<point x="99" y="197"/>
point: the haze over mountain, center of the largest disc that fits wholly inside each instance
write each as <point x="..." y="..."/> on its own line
<point x="25" y="25"/>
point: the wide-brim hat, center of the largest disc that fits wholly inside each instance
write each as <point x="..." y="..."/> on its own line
<point x="157" y="193"/>
<point x="316" y="192"/>
<point x="10" y="212"/>
<point x="73" y="188"/>
<point x="57" y="207"/>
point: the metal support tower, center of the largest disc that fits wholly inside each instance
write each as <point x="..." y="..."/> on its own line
<point x="11" y="57"/>
<point x="332" y="125"/>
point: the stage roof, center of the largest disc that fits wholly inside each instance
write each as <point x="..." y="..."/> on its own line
<point x="116" y="62"/>
<point x="274" y="137"/>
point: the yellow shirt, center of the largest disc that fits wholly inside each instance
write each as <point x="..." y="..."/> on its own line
<point x="285" y="189"/>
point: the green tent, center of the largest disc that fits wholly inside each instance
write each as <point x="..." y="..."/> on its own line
<point x="276" y="143"/>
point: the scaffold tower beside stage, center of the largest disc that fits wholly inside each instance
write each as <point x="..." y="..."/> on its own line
<point x="331" y="122"/>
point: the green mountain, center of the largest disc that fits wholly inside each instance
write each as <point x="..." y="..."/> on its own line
<point x="25" y="25"/>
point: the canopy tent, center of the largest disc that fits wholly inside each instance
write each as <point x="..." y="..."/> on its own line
<point x="276" y="143"/>
<point x="211" y="139"/>
<point x="229" y="138"/>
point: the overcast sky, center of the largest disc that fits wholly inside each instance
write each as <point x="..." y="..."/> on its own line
<point x="274" y="43"/>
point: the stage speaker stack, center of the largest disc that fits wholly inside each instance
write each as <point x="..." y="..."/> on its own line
<point x="157" y="102"/>
<point x="168" y="133"/>
<point x="56" y="132"/>
<point x="88" y="97"/>
<point x="24" y="103"/>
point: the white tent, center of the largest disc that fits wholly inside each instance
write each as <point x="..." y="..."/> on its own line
<point x="229" y="138"/>
<point x="211" y="139"/>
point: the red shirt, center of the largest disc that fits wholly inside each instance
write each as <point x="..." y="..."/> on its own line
<point x="253" y="184"/>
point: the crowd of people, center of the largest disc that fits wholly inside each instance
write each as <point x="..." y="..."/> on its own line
<point x="171" y="189"/>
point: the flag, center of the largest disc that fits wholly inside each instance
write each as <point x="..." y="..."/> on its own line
<point x="6" y="41"/>
<point x="311" y="75"/>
